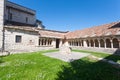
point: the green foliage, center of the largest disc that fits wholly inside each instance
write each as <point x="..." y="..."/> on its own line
<point x="35" y="66"/>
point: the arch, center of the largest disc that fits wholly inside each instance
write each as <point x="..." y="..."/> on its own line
<point x="72" y="43"/>
<point x="82" y="43"/>
<point x="50" y="41"/>
<point x="45" y="41"/>
<point x="96" y="43"/>
<point x="108" y="43"/>
<point x="87" y="43"/>
<point x="102" y="43"/>
<point x="39" y="42"/>
<point x="69" y="43"/>
<point x="75" y="43"/>
<point x="115" y="43"/>
<point x="79" y="43"/>
<point x="92" y="43"/>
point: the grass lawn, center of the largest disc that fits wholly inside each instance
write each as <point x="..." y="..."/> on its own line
<point x="35" y="66"/>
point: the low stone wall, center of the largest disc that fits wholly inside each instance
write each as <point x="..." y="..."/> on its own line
<point x="28" y="49"/>
<point x="4" y="53"/>
<point x="104" y="50"/>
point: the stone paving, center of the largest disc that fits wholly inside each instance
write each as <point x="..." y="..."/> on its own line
<point x="67" y="57"/>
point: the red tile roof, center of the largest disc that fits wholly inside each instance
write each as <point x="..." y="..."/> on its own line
<point x="41" y="32"/>
<point x="97" y="31"/>
<point x="51" y="34"/>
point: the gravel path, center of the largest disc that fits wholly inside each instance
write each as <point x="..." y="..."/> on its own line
<point x="67" y="57"/>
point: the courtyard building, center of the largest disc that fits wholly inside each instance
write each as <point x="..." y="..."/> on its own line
<point x="21" y="31"/>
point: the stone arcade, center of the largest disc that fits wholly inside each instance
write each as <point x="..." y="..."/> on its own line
<point x="20" y="31"/>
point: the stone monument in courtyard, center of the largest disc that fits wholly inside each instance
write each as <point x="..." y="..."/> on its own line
<point x="64" y="49"/>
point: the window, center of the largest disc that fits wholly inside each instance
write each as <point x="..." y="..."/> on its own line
<point x="45" y="42"/>
<point x="10" y="16"/>
<point x="26" y="19"/>
<point x="18" y="39"/>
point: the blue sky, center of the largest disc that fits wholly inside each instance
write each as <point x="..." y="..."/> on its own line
<point x="70" y="15"/>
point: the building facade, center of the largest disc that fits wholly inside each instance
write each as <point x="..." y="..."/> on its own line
<point x="20" y="31"/>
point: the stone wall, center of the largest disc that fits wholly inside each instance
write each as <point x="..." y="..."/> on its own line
<point x="28" y="39"/>
<point x="20" y="14"/>
<point x="17" y="6"/>
<point x="29" y="43"/>
<point x="2" y="8"/>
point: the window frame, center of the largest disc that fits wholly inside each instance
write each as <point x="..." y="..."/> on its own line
<point x="18" y="39"/>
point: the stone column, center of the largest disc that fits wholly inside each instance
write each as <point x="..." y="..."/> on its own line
<point x="85" y="43"/>
<point x="54" y="43"/>
<point x="99" y="43"/>
<point x="93" y="43"/>
<point x="111" y="43"/>
<point x="2" y="13"/>
<point x="89" y="44"/>
<point x="47" y="42"/>
<point x="105" y="43"/>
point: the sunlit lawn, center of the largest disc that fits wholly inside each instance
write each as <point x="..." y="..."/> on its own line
<point x="35" y="66"/>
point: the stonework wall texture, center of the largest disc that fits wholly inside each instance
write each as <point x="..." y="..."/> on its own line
<point x="2" y="2"/>
<point x="18" y="15"/>
<point x="29" y="41"/>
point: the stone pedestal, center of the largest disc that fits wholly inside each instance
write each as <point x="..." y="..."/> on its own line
<point x="65" y="50"/>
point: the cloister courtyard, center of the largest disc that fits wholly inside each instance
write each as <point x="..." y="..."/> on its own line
<point x="38" y="66"/>
<point x="70" y="50"/>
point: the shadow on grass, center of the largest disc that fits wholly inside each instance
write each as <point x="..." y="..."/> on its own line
<point x="84" y="69"/>
<point x="115" y="57"/>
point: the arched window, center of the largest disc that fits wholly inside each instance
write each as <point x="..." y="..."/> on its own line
<point x="115" y="43"/>
<point x="39" y="42"/>
<point x="50" y="42"/>
<point x="79" y="43"/>
<point x="92" y="43"/>
<point x="108" y="43"/>
<point x="42" y="41"/>
<point x="102" y="44"/>
<point x="96" y="43"/>
<point x="45" y="42"/>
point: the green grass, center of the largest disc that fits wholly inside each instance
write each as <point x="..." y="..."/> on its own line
<point x="98" y="54"/>
<point x="35" y="66"/>
<point x="102" y="55"/>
